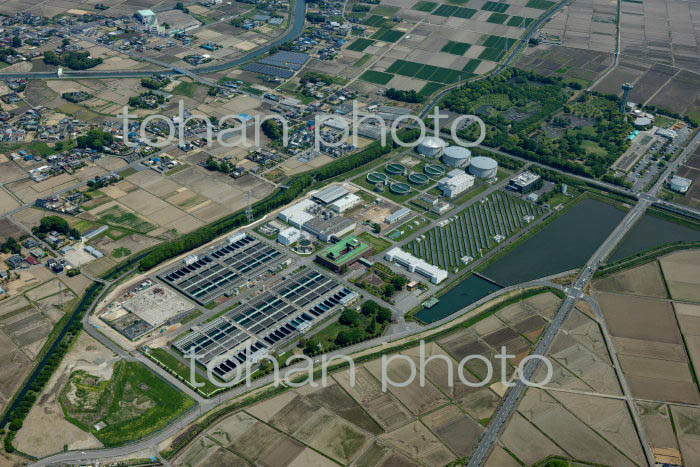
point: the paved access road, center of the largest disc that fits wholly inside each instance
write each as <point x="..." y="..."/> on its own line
<point x="515" y="394"/>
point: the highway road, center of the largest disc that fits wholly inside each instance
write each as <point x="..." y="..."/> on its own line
<point x="515" y="394"/>
<point x="294" y="31"/>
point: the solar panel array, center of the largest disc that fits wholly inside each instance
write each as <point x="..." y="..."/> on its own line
<point x="269" y="70"/>
<point x="269" y="320"/>
<point x="228" y="266"/>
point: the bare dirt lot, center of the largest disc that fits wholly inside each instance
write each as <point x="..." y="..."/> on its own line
<point x="45" y="430"/>
<point x="642" y="280"/>
<point x="682" y="274"/>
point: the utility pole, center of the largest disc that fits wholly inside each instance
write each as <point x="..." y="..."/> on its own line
<point x="249" y="209"/>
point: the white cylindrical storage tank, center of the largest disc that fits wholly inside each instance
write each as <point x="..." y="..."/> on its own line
<point x="679" y="184"/>
<point x="457" y="156"/>
<point x="431" y="146"/>
<point x="483" y="167"/>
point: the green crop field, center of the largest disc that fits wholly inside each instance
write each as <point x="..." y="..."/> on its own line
<point x="497" y="18"/>
<point x="540" y="4"/>
<point x="472" y="65"/>
<point x="425" y="6"/>
<point x="495" y="6"/>
<point x="430" y="88"/>
<point x="376" y="77"/>
<point x="456" y="11"/>
<point x="133" y="404"/>
<point x="499" y="42"/>
<point x="456" y="48"/>
<point x="520" y="22"/>
<point x="359" y="45"/>
<point x="387" y="35"/>
<point x="489" y="53"/>
<point x="375" y="21"/>
<point x="475" y="230"/>
<point x="386" y="10"/>
<point x="426" y="72"/>
<point x="118" y="216"/>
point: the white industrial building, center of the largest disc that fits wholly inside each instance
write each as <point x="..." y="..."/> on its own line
<point x="456" y="182"/>
<point x="667" y="133"/>
<point x="288" y="236"/>
<point x="297" y="215"/>
<point x="417" y="265"/>
<point x="679" y="184"/>
<point x="397" y="216"/>
<point x="457" y="156"/>
<point x="348" y="201"/>
<point x="325" y="228"/>
<point x="431" y="146"/>
<point x="330" y="194"/>
<point x="483" y="167"/>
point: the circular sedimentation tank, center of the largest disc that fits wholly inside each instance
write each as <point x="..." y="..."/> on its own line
<point x="377" y="177"/>
<point x="418" y="179"/>
<point x="395" y="169"/>
<point x="434" y="170"/>
<point x="400" y="188"/>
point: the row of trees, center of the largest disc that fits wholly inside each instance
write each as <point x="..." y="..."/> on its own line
<point x="72" y="60"/>
<point x="370" y="322"/>
<point x="404" y="96"/>
<point x="95" y="139"/>
<point x="54" y="223"/>
<point x="155" y="83"/>
<point x="217" y="165"/>
<point x="11" y="246"/>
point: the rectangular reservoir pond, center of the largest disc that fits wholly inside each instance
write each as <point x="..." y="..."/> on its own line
<point x="566" y="243"/>
<point x="650" y="232"/>
<point x="470" y="290"/>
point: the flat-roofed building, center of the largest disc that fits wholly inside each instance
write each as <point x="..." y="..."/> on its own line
<point x="524" y="182"/>
<point x="397" y="216"/>
<point x="343" y="254"/>
<point x="288" y="236"/>
<point x="455" y="183"/>
<point x="327" y="228"/>
<point x="330" y="194"/>
<point x="348" y="201"/>
<point x="417" y="265"/>
<point x="297" y="215"/>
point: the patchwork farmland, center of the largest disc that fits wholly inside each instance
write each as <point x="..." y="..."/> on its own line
<point x="475" y="230"/>
<point x="435" y="44"/>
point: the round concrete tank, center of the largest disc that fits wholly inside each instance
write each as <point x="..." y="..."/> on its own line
<point x="483" y="167"/>
<point x="431" y="146"/>
<point x="457" y="156"/>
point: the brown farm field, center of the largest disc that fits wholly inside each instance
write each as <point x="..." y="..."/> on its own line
<point x="350" y="420"/>
<point x="642" y="280"/>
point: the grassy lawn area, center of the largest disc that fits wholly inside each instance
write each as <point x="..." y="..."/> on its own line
<point x="121" y="252"/>
<point x="349" y="328"/>
<point x="185" y="89"/>
<point x="132" y="404"/>
<point x="116" y="215"/>
<point x="379" y="244"/>
<point x="179" y="369"/>
<point x="408" y="228"/>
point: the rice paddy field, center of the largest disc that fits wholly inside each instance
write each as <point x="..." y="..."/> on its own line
<point x="474" y="231"/>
